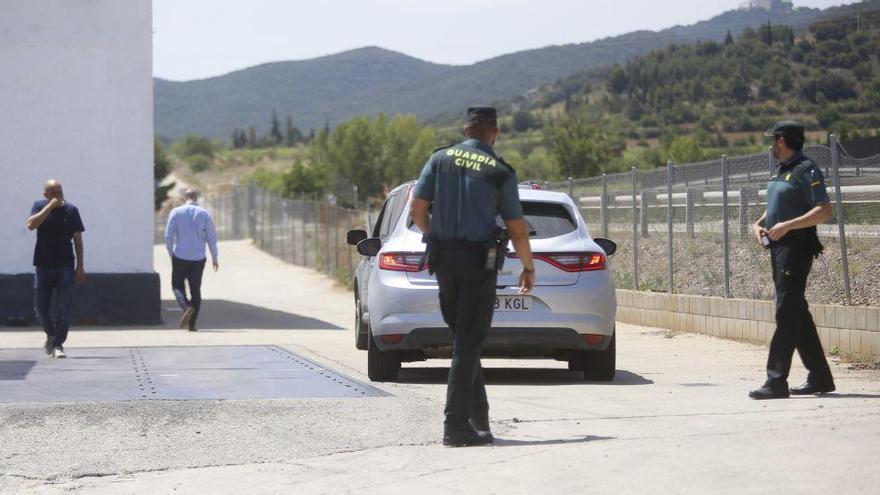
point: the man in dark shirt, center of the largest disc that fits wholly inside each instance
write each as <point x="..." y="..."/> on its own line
<point x="57" y="223"/>
<point x="796" y="203"/>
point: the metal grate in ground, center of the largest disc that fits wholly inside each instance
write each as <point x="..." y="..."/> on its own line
<point x="170" y="373"/>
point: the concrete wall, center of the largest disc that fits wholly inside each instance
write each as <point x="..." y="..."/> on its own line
<point x="76" y="104"/>
<point x="848" y="329"/>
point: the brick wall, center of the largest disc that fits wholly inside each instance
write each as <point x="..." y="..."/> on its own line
<point x="850" y="329"/>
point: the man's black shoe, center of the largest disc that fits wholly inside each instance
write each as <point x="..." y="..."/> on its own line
<point x="467" y="439"/>
<point x="480" y="423"/>
<point x="768" y="392"/>
<point x="49" y="345"/>
<point x="813" y="388"/>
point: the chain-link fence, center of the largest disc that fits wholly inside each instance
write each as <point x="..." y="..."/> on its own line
<point x="687" y="228"/>
<point x="304" y="230"/>
<point x="683" y="228"/>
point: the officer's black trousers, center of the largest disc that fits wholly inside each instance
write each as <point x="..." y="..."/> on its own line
<point x="467" y="301"/>
<point x="791" y="262"/>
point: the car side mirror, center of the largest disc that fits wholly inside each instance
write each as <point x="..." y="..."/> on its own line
<point x="610" y="247"/>
<point x="370" y="246"/>
<point x="356" y="236"/>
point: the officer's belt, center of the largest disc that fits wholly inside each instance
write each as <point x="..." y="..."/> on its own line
<point x="460" y="245"/>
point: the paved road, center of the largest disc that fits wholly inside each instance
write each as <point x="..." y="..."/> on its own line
<point x="676" y="420"/>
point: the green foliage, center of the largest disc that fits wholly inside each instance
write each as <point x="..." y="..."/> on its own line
<point x="192" y="145"/>
<point x="582" y="146"/>
<point x="523" y="120"/>
<point x="161" y="169"/>
<point x="684" y="149"/>
<point x="371" y="153"/>
<point x="198" y="163"/>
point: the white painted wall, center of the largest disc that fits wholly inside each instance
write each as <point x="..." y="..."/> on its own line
<point x="76" y="94"/>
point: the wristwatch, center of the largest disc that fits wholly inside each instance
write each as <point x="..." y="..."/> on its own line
<point x="528" y="271"/>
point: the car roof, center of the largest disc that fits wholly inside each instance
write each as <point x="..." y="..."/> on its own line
<point x="544" y="195"/>
<point x="525" y="194"/>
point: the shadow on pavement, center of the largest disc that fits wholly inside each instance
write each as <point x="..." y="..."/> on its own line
<point x="219" y="314"/>
<point x="501" y="442"/>
<point x="845" y="396"/>
<point x="521" y="376"/>
<point x="15" y="370"/>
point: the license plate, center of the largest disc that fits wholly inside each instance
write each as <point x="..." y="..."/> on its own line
<point x="513" y="303"/>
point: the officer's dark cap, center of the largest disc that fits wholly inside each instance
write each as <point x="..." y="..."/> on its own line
<point x="482" y="114"/>
<point x="788" y="129"/>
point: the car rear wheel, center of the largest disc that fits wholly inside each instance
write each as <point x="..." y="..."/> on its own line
<point x="599" y="366"/>
<point x="360" y="328"/>
<point x="382" y="366"/>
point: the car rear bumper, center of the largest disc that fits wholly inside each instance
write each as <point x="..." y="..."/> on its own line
<point x="550" y="342"/>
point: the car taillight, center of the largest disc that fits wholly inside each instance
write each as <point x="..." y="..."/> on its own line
<point x="401" y="262"/>
<point x="573" y="262"/>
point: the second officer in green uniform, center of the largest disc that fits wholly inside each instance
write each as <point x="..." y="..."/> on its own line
<point x="466" y="186"/>
<point x="796" y="203"/>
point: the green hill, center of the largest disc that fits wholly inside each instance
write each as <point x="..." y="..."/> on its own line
<point x="694" y="101"/>
<point x="370" y="80"/>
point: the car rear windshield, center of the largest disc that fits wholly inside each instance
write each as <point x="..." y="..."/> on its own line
<point x="545" y="220"/>
<point x="548" y="220"/>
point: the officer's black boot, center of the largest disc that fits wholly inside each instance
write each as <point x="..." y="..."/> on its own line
<point x="817" y="388"/>
<point x="771" y="390"/>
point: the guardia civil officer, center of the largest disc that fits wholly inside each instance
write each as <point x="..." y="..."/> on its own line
<point x="469" y="186"/>
<point x="796" y="203"/>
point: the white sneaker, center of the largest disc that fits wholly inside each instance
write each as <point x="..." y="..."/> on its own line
<point x="58" y="353"/>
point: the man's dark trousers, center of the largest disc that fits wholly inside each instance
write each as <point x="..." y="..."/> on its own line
<point x="191" y="272"/>
<point x="59" y="280"/>
<point x="467" y="301"/>
<point x="791" y="262"/>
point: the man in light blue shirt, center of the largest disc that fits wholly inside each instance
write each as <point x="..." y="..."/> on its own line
<point x="189" y="228"/>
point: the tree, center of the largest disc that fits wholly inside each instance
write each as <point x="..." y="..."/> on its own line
<point x="684" y="149"/>
<point x="274" y="136"/>
<point x="292" y="135"/>
<point x="193" y="145"/>
<point x="161" y="169"/>
<point x="617" y="80"/>
<point x="583" y="147"/>
<point x="728" y="38"/>
<point x="252" y="137"/>
<point x="523" y="120"/>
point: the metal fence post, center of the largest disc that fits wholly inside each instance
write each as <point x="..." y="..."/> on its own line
<point x="236" y="211"/>
<point x="635" y="228"/>
<point x="251" y="212"/>
<point x="725" y="223"/>
<point x="604" y="206"/>
<point x="745" y="197"/>
<point x="571" y="188"/>
<point x="283" y="205"/>
<point x="316" y="220"/>
<point x="271" y="223"/>
<point x="689" y="211"/>
<point x="841" y="230"/>
<point x="303" y="234"/>
<point x="645" y="200"/>
<point x="771" y="162"/>
<point x="669" y="216"/>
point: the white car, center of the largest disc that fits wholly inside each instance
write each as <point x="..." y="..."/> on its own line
<point x="569" y="316"/>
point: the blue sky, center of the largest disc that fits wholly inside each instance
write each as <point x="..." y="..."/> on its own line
<point x="194" y="39"/>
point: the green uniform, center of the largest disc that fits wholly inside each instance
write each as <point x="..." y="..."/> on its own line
<point x="797" y="188"/>
<point x="469" y="186"/>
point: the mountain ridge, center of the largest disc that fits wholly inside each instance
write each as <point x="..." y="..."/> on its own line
<point x="369" y="80"/>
